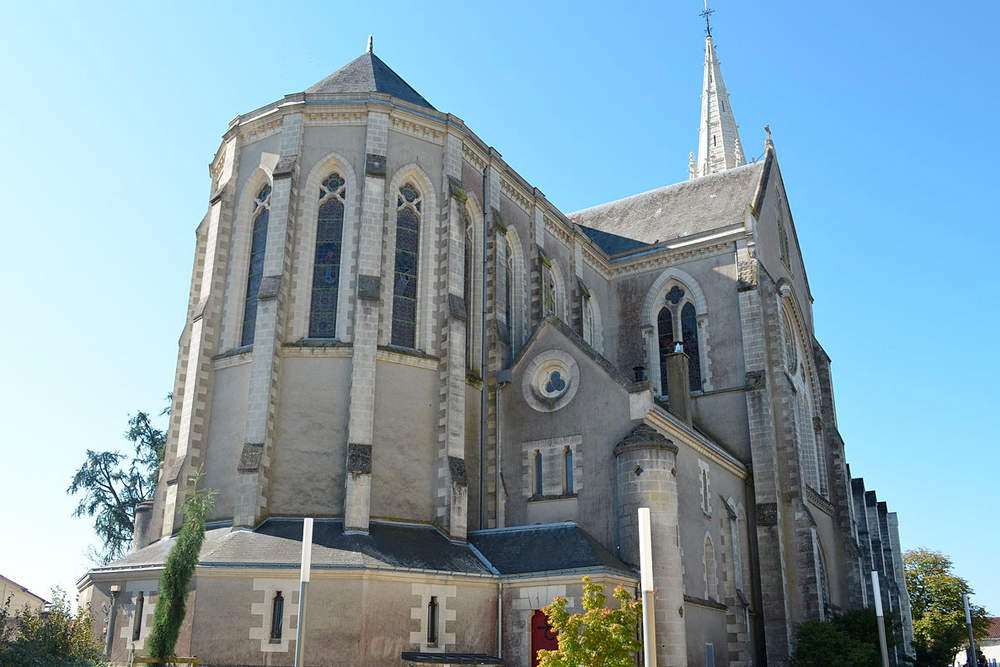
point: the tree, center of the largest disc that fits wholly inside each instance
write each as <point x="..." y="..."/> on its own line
<point x="112" y="485"/>
<point x="939" y="629"/>
<point x="49" y="637"/>
<point x="600" y="636"/>
<point x="171" y="604"/>
<point x="849" y="639"/>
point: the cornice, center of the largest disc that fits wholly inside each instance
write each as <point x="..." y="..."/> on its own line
<point x="336" y="116"/>
<point x="258" y="129"/>
<point x="474" y="156"/>
<point x="521" y="199"/>
<point x="666" y="256"/>
<point x="405" y="124"/>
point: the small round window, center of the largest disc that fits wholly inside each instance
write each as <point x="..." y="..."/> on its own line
<point x="550" y="380"/>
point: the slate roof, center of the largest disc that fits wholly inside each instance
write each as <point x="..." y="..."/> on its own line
<point x="278" y="543"/>
<point x="544" y="548"/>
<point x="693" y="207"/>
<point x="611" y="243"/>
<point x="369" y="74"/>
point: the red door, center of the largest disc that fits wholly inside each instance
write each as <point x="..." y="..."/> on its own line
<point x="542" y="636"/>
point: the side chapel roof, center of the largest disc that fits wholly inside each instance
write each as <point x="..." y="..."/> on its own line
<point x="684" y="209"/>
<point x="369" y="74"/>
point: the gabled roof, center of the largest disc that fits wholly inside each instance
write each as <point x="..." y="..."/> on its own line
<point x="689" y="208"/>
<point x="368" y="74"/>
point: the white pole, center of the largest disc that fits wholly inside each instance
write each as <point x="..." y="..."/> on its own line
<point x="307" y="539"/>
<point x="646" y="583"/>
<point x="971" y="659"/>
<point x="877" y="594"/>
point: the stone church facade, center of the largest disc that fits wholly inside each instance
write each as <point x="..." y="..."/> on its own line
<point x="472" y="392"/>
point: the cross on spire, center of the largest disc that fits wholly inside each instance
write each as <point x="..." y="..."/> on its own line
<point x="707" y="14"/>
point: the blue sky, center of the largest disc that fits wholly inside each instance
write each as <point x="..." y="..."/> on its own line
<point x="882" y="115"/>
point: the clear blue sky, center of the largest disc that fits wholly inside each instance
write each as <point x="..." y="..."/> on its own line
<point x="883" y="116"/>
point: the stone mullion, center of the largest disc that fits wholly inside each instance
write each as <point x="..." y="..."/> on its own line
<point x="361" y="421"/>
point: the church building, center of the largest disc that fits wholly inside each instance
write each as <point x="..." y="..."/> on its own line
<point x="472" y="392"/>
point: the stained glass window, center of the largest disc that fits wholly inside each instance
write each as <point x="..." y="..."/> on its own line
<point x="689" y="332"/>
<point x="404" y="290"/>
<point x="261" y="211"/>
<point x="665" y="332"/>
<point x="467" y="287"/>
<point x="326" y="266"/>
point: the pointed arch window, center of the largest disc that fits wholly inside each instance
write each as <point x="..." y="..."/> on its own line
<point x="409" y="204"/>
<point x="711" y="571"/>
<point x="538" y="473"/>
<point x="140" y="603"/>
<point x="568" y="470"/>
<point x="326" y="267"/>
<point x="255" y="272"/>
<point x="277" y="611"/>
<point x="689" y="333"/>
<point x="548" y="290"/>
<point x="432" y="621"/>
<point x="665" y="329"/>
<point x="467" y="287"/>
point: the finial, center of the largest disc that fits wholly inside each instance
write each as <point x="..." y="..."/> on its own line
<point x="692" y="166"/>
<point x="707" y="14"/>
<point x="738" y="153"/>
<point x="371" y="40"/>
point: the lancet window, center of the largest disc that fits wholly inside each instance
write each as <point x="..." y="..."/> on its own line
<point x="277" y="611"/>
<point x="548" y="290"/>
<point x="409" y="208"/>
<point x="679" y="315"/>
<point x="255" y="273"/>
<point x="568" y="470"/>
<point x="467" y="286"/>
<point x="326" y="267"/>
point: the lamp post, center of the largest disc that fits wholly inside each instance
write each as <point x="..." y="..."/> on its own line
<point x="300" y="630"/>
<point x="646" y="583"/>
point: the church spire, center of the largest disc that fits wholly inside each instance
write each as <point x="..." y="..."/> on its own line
<point x="719" y="146"/>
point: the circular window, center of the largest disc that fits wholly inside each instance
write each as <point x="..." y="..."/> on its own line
<point x="550" y="380"/>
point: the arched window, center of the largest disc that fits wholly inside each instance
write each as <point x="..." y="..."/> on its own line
<point x="326" y="267"/>
<point x="277" y="610"/>
<point x="665" y="329"/>
<point x="538" y="473"/>
<point x="467" y="281"/>
<point x="783" y="243"/>
<point x="689" y="332"/>
<point x="140" y="603"/>
<point x="432" y="621"/>
<point x="809" y="444"/>
<point x="404" y="292"/>
<point x="568" y="470"/>
<point x="548" y="291"/>
<point x="508" y="283"/>
<point x="711" y="571"/>
<point x="261" y="211"/>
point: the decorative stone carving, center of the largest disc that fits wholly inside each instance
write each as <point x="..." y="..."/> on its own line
<point x="250" y="457"/>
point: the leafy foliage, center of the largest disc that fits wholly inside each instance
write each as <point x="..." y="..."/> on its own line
<point x="113" y="484"/>
<point x="849" y="639"/>
<point x="171" y="604"/>
<point x="49" y="637"/>
<point x="599" y="637"/>
<point x="939" y="629"/>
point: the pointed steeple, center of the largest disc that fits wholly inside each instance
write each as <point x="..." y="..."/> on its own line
<point x="719" y="146"/>
<point x="368" y="74"/>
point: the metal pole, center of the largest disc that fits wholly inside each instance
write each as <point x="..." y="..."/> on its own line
<point x="646" y="583"/>
<point x="877" y="594"/>
<point x="300" y="630"/>
<point x="971" y="654"/>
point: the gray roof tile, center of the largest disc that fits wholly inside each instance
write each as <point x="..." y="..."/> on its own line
<point x="368" y="74"/>
<point x="544" y="548"/>
<point x="684" y="209"/>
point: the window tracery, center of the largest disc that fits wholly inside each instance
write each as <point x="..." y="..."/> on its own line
<point x="678" y="313"/>
<point x="409" y="203"/>
<point x="255" y="272"/>
<point x="326" y="266"/>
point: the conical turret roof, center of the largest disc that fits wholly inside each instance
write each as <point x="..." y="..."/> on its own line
<point x="368" y="74"/>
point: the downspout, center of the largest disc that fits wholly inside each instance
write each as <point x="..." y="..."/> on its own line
<point x="484" y="359"/>
<point x="500" y="619"/>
